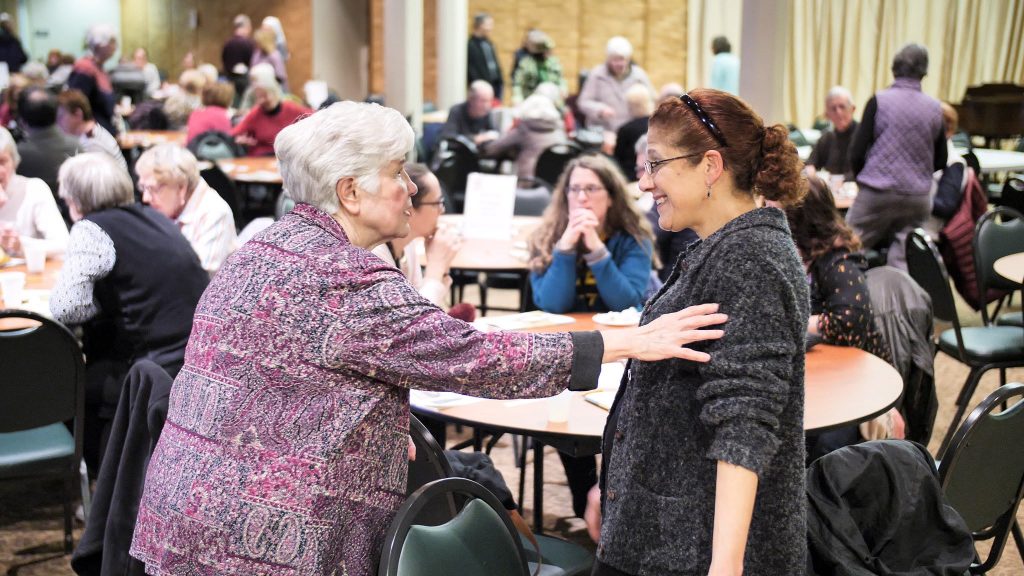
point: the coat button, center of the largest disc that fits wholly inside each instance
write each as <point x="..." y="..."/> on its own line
<point x="619" y="435"/>
<point x="611" y="494"/>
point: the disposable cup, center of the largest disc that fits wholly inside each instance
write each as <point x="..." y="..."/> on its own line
<point x="12" y="288"/>
<point x="558" y="407"/>
<point x="35" y="254"/>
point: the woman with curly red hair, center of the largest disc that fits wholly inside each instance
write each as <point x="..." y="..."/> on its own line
<point x="704" y="464"/>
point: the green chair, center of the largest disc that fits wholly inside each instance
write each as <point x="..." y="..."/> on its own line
<point x="982" y="472"/>
<point x="479" y="541"/>
<point x="998" y="233"/>
<point x="981" y="348"/>
<point x="556" y="555"/>
<point x="43" y="387"/>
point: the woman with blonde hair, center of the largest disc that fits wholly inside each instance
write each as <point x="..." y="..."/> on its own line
<point x="266" y="51"/>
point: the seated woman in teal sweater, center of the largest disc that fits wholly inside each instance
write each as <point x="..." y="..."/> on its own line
<point x="594" y="249"/>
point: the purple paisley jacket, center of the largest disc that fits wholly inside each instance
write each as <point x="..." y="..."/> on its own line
<point x="285" y="447"/>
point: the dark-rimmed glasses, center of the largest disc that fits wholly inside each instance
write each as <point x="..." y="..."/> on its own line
<point x="438" y="203"/>
<point x="652" y="167"/>
<point x="704" y="119"/>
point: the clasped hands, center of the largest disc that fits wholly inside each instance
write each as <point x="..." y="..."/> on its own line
<point x="583" y="225"/>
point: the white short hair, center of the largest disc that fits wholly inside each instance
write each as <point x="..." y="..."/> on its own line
<point x="100" y="35"/>
<point x="170" y="163"/>
<point x="345" y="140"/>
<point x="539" y="107"/>
<point x="94" y="182"/>
<point x="837" y="92"/>
<point x="8" y="145"/>
<point x="619" y="46"/>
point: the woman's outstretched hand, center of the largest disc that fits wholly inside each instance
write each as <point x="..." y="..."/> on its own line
<point x="666" y="336"/>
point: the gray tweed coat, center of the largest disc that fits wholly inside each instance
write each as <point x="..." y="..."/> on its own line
<point x="673" y="420"/>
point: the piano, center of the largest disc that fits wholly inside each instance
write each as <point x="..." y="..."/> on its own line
<point x="993" y="111"/>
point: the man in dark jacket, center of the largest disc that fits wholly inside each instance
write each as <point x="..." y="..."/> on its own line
<point x="483" y="58"/>
<point x="45" y="147"/>
<point x="472" y="118"/>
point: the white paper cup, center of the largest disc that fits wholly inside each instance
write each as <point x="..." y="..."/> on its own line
<point x="35" y="254"/>
<point x="558" y="407"/>
<point x="12" y="288"/>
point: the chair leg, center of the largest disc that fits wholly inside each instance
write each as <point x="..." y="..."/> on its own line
<point x="69" y="490"/>
<point x="1018" y="539"/>
<point x="522" y="473"/>
<point x="965" y="397"/>
<point x="483" y="297"/>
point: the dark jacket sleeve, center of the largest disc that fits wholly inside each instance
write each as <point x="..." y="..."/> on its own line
<point x="941" y="151"/>
<point x="864" y="137"/>
<point x="947" y="198"/>
<point x="819" y="154"/>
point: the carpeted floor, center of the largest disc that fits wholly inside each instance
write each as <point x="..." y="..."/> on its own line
<point x="31" y="518"/>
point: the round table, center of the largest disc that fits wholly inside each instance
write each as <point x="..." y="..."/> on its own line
<point x="490" y="255"/>
<point x="148" y="138"/>
<point x="1011" y="267"/>
<point x="44" y="280"/>
<point x="252" y="169"/>
<point x="842" y="386"/>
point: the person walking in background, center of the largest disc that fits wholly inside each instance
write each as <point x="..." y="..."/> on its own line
<point x="483" y="58"/>
<point x="88" y="76"/>
<point x="725" y="66"/>
<point x="537" y="67"/>
<point x="11" y="51"/>
<point x="898" y="146"/>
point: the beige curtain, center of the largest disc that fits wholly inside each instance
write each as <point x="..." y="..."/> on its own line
<point x="852" y="43"/>
<point x="706" y="19"/>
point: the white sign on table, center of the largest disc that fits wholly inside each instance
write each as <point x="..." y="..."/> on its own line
<point x="490" y="204"/>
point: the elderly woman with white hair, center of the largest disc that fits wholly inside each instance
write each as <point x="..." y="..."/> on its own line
<point x="27" y="207"/>
<point x="269" y="114"/>
<point x="286" y="442"/>
<point x="88" y="75"/>
<point x="539" y="126"/>
<point x="170" y="183"/>
<point x="603" y="98"/>
<point x="130" y="279"/>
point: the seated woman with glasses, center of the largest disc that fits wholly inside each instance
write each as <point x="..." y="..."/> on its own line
<point x="442" y="244"/>
<point x="594" y="249"/>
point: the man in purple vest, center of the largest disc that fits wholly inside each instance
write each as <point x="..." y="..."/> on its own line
<point x="897" y="147"/>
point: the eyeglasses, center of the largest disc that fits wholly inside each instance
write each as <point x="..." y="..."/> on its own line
<point x="588" y="190"/>
<point x="704" y="119"/>
<point x="439" y="204"/>
<point x="652" y="167"/>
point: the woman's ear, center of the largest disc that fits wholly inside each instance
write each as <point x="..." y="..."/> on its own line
<point x="349" y="195"/>
<point x="714" y="165"/>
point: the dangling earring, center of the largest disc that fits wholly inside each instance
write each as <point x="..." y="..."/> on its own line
<point x="709" y="191"/>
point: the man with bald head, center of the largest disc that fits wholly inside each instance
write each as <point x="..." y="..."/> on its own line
<point x="832" y="152"/>
<point x="472" y="118"/>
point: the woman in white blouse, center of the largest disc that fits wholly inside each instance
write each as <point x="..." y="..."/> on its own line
<point x="27" y="207"/>
<point x="170" y="182"/>
<point x="432" y="281"/>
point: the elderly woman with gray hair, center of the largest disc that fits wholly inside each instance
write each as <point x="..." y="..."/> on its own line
<point x="286" y="443"/>
<point x="269" y="114"/>
<point x="27" y="207"/>
<point x="170" y="183"/>
<point x="130" y="279"/>
<point x="88" y="75"/>
<point x="603" y="97"/>
<point x="899" y="144"/>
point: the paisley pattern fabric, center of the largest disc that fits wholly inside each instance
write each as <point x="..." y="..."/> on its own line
<point x="285" y="447"/>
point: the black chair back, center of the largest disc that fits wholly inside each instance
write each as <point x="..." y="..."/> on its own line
<point x="456" y="158"/>
<point x="552" y="162"/>
<point x="219" y="181"/>
<point x="495" y="551"/>
<point x="998" y="233"/>
<point x="982" y="471"/>
<point x="927" y="269"/>
<point x="1012" y="195"/>
<point x="532" y="197"/>
<point x="43" y="375"/>
<point x="971" y="159"/>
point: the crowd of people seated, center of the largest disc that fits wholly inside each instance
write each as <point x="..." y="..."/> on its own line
<point x="355" y="283"/>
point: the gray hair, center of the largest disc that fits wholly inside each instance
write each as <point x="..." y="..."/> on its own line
<point x="241" y="21"/>
<point x="641" y="144"/>
<point x="479" y="19"/>
<point x="170" y="163"/>
<point x="35" y="71"/>
<point x="619" y="46"/>
<point x="8" y="145"/>
<point x="99" y="36"/>
<point x="539" y="107"/>
<point x="910" y="62"/>
<point x="345" y="140"/>
<point x="94" y="182"/>
<point x="270" y="85"/>
<point x="839" y="92"/>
